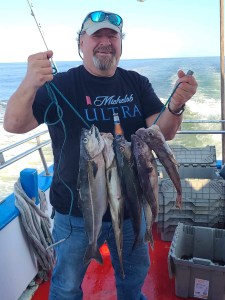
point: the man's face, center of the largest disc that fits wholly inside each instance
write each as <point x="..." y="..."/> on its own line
<point x="101" y="50"/>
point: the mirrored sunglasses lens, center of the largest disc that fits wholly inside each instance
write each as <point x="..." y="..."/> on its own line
<point x="97" y="16"/>
<point x="115" y="19"/>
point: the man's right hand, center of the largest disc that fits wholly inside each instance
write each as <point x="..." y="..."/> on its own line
<point x="19" y="116"/>
<point x="39" y="69"/>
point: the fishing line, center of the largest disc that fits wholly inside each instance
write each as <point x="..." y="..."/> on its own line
<point x="50" y="92"/>
<point x="189" y="72"/>
<point x="52" y="96"/>
<point x="60" y="119"/>
<point x="70" y="105"/>
<point x="60" y="115"/>
<point x="54" y="101"/>
<point x="54" y="68"/>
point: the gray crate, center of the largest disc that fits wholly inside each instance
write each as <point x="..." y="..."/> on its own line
<point x="195" y="207"/>
<point x="204" y="156"/>
<point x="203" y="205"/>
<point x="165" y="225"/>
<point x="199" y="192"/>
<point x="193" y="162"/>
<point x="167" y="234"/>
<point x="188" y="214"/>
<point x="197" y="261"/>
<point x="202" y="190"/>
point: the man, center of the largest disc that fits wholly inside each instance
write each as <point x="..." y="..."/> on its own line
<point x="96" y="90"/>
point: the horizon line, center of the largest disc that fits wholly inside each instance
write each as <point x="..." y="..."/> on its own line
<point x="122" y="59"/>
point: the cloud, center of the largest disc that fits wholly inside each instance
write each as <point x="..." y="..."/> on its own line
<point x="145" y="43"/>
<point x="19" y="42"/>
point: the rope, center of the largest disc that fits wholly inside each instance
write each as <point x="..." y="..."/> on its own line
<point x="167" y="102"/>
<point x="37" y="226"/>
<point x="49" y="86"/>
<point x="189" y="72"/>
<point x="54" y="101"/>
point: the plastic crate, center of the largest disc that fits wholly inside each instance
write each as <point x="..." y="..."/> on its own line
<point x="165" y="225"/>
<point x="197" y="192"/>
<point x="204" y="156"/>
<point x="167" y="234"/>
<point x="197" y="261"/>
<point x="193" y="162"/>
<point x="195" y="206"/>
<point x="208" y="217"/>
<point x="203" y="205"/>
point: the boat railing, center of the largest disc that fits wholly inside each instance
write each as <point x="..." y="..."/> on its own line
<point x="202" y="131"/>
<point x="39" y="145"/>
<point x="42" y="139"/>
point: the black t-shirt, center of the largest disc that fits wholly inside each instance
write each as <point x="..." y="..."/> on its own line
<point x="96" y="99"/>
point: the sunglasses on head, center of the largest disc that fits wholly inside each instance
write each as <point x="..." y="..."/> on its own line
<point x="100" y="16"/>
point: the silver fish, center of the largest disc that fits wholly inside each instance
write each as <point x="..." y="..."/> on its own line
<point x="156" y="142"/>
<point x="116" y="200"/>
<point x="92" y="188"/>
<point x="148" y="178"/>
<point x="149" y="222"/>
<point x="129" y="182"/>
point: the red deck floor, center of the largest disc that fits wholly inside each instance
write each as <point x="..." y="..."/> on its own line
<point x="99" y="281"/>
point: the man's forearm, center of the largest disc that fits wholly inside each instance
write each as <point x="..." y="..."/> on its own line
<point x="19" y="116"/>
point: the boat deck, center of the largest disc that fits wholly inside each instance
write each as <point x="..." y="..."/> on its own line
<point x="99" y="281"/>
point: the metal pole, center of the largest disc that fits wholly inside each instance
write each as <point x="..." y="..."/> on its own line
<point x="222" y="75"/>
<point x="43" y="158"/>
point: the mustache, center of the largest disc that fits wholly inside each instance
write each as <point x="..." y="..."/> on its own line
<point x="104" y="49"/>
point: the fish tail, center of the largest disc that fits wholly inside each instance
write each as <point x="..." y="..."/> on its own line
<point x="136" y="242"/>
<point x="149" y="238"/>
<point x="119" y="252"/>
<point x="179" y="201"/>
<point x="122" y="273"/>
<point x="121" y="265"/>
<point x="92" y="252"/>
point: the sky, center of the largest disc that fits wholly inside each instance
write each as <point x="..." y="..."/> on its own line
<point x="153" y="28"/>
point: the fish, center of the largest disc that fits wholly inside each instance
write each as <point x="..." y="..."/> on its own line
<point x="92" y="188"/>
<point x="129" y="183"/>
<point x="156" y="142"/>
<point x="115" y="197"/>
<point x="148" y="178"/>
<point x="149" y="222"/>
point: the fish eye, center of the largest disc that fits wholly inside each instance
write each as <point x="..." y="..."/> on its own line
<point x="121" y="149"/>
<point x="85" y="140"/>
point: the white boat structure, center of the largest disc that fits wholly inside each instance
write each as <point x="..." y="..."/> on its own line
<point x="17" y="258"/>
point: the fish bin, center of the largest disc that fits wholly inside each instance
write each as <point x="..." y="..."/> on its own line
<point x="197" y="261"/>
<point x="203" y="192"/>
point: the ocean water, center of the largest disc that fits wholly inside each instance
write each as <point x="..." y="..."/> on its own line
<point x="162" y="73"/>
